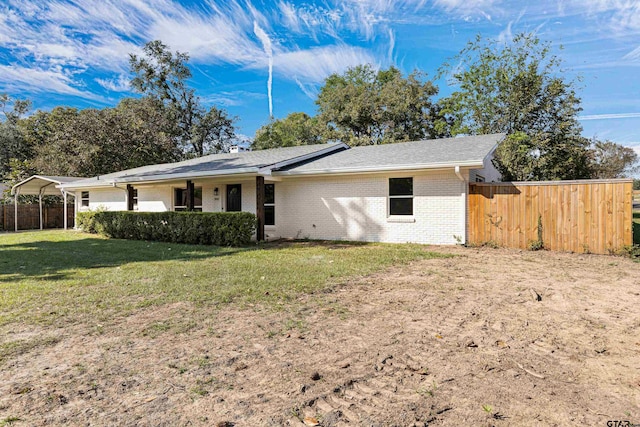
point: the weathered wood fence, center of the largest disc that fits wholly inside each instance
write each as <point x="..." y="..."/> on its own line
<point x="29" y="216"/>
<point x="593" y="216"/>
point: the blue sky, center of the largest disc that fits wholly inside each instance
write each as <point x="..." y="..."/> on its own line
<point x="75" y="53"/>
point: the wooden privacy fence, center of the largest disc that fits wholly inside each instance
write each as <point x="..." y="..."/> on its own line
<point x="29" y="216"/>
<point x="593" y="216"/>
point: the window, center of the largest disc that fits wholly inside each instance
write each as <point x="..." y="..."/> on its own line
<point x="135" y="199"/>
<point x="84" y="199"/>
<point x="180" y="199"/>
<point x="269" y="204"/>
<point x="400" y="196"/>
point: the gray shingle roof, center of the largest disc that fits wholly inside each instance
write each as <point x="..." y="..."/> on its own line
<point x="404" y="155"/>
<point x="214" y="164"/>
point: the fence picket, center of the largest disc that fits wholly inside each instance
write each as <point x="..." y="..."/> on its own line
<point x="577" y="216"/>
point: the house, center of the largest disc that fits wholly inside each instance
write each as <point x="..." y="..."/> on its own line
<point x="404" y="192"/>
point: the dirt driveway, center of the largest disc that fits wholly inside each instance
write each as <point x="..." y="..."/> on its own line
<point x="458" y="341"/>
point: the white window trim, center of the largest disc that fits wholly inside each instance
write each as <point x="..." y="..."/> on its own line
<point x="83" y="199"/>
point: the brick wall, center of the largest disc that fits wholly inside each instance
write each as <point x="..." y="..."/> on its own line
<point x="356" y="208"/>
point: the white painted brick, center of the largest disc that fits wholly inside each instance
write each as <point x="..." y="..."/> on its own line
<point x="356" y="208"/>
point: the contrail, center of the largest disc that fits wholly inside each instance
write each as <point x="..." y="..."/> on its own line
<point x="610" y="116"/>
<point x="266" y="44"/>
<point x="392" y="43"/>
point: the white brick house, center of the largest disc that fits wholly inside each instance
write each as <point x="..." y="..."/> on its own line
<point x="403" y="192"/>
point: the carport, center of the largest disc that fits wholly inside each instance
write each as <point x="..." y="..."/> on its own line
<point x="40" y="185"/>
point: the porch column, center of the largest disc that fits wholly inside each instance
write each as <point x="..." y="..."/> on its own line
<point x="191" y="199"/>
<point x="129" y="197"/>
<point x="15" y="210"/>
<point x="64" y="194"/>
<point x="260" y="207"/>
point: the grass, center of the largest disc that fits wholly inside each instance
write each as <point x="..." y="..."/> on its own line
<point x="66" y="277"/>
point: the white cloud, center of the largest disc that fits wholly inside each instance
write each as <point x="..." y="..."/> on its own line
<point x="468" y="9"/>
<point x="231" y="99"/>
<point x="316" y="64"/>
<point x="118" y="84"/>
<point x="392" y="44"/>
<point x="622" y="14"/>
<point x="610" y="116"/>
<point x="310" y="90"/>
<point x="16" y="78"/>
<point x="633" y="56"/>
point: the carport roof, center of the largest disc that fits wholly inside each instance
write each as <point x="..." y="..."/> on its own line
<point x="47" y="184"/>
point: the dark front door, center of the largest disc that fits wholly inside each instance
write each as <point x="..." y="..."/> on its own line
<point x="234" y="198"/>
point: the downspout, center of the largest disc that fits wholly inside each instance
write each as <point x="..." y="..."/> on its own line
<point x="126" y="194"/>
<point x="463" y="222"/>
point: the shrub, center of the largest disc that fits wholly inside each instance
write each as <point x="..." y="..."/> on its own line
<point x="202" y="228"/>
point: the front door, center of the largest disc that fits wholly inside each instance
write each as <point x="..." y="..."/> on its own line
<point x="234" y="198"/>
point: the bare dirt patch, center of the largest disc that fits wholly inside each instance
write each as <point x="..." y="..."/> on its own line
<point x="490" y="337"/>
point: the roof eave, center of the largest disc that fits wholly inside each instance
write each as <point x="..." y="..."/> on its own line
<point x="161" y="178"/>
<point x="374" y="169"/>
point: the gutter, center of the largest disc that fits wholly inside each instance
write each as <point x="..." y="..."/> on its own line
<point x="469" y="164"/>
<point x="159" y="178"/>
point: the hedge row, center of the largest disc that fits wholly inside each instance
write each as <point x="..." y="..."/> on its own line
<point x="202" y="228"/>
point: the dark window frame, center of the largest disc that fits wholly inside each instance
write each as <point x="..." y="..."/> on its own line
<point x="183" y="208"/>
<point x="270" y="204"/>
<point x="400" y="194"/>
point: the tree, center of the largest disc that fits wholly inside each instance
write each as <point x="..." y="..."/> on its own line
<point x="636" y="184"/>
<point x="12" y="144"/>
<point x="163" y="76"/>
<point x="518" y="88"/>
<point x="611" y="160"/>
<point x="90" y="142"/>
<point x="295" y="129"/>
<point x="365" y="107"/>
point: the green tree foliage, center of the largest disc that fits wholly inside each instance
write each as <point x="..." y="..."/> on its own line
<point x="365" y="107"/>
<point x="518" y="88"/>
<point x="71" y="142"/>
<point x="636" y="184"/>
<point x="12" y="144"/>
<point x="611" y="160"/>
<point x="163" y="76"/>
<point x="295" y="129"/>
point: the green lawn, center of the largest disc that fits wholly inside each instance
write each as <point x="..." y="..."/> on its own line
<point x="69" y="277"/>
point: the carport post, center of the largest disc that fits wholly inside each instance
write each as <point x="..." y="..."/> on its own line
<point x="40" y="204"/>
<point x="15" y="210"/>
<point x="64" y="193"/>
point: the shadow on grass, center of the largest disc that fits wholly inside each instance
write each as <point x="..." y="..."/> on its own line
<point x="56" y="259"/>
